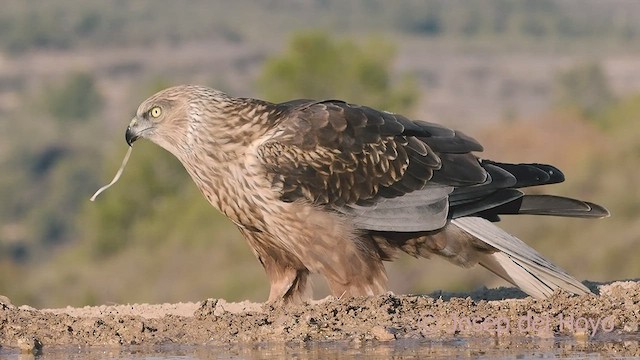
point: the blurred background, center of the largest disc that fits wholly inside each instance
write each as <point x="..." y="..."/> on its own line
<point x="534" y="81"/>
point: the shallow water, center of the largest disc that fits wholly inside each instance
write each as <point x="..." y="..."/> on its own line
<point x="476" y="348"/>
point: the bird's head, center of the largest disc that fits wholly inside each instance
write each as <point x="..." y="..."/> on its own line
<point x="190" y="120"/>
<point x="172" y="117"/>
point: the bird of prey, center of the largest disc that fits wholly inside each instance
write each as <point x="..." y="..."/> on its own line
<point x="335" y="188"/>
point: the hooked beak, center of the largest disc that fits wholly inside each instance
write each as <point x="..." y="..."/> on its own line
<point x="131" y="135"/>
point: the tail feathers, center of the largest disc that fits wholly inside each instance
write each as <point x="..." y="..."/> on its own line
<point x="499" y="194"/>
<point x="546" y="205"/>
<point x="528" y="279"/>
<point x="560" y="206"/>
<point x="517" y="262"/>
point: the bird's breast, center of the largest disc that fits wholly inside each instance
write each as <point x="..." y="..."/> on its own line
<point x="238" y="189"/>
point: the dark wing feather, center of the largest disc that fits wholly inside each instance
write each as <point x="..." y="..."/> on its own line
<point x="499" y="194"/>
<point x="364" y="162"/>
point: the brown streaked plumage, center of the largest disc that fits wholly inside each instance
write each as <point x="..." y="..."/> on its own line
<point x="335" y="188"/>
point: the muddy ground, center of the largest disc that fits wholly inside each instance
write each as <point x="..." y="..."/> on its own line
<point x="610" y="320"/>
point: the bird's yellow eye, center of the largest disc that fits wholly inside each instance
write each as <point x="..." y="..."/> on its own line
<point x="155" y="112"/>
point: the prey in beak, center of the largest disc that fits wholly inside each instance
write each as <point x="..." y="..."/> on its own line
<point x="131" y="135"/>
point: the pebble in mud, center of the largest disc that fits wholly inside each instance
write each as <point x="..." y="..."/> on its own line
<point x="30" y="345"/>
<point x="5" y="303"/>
<point x="631" y="327"/>
<point x="382" y="333"/>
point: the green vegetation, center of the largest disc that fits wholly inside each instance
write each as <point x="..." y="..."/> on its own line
<point x="77" y="99"/>
<point x="48" y="168"/>
<point x="585" y="89"/>
<point x="315" y="66"/>
<point x="533" y="20"/>
<point x="40" y="24"/>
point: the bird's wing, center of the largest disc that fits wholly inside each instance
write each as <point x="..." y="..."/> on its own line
<point x="376" y="167"/>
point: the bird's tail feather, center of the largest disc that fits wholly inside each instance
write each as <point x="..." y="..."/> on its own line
<point x="517" y="262"/>
<point x="560" y="206"/>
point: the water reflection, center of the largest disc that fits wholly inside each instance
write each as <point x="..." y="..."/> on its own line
<point x="479" y="348"/>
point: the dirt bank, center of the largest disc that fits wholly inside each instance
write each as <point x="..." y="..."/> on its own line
<point x="613" y="315"/>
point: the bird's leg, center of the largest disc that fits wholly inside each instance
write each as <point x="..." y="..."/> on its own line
<point x="363" y="285"/>
<point x="288" y="277"/>
<point x="288" y="284"/>
<point x="356" y="271"/>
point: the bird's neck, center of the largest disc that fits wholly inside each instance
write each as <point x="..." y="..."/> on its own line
<point x="246" y="120"/>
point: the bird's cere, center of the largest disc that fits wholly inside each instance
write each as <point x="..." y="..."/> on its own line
<point x="115" y="178"/>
